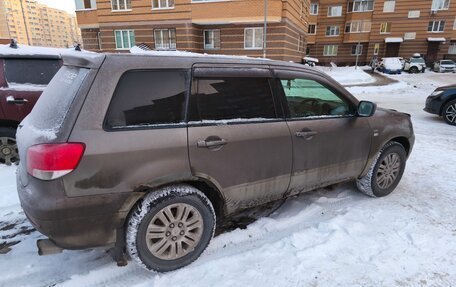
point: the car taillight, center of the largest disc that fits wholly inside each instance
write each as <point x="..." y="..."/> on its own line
<point x="51" y="161"/>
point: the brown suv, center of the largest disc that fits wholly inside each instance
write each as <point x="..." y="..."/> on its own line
<point x="151" y="152"/>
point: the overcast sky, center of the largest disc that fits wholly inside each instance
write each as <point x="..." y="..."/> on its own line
<point x="67" y="5"/>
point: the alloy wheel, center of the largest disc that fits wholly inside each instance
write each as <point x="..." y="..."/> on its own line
<point x="174" y="231"/>
<point x="8" y="151"/>
<point x="450" y="113"/>
<point x="388" y="170"/>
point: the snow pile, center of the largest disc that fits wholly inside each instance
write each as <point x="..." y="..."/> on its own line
<point x="348" y="76"/>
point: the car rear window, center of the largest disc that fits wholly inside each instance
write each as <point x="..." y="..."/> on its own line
<point x="53" y="105"/>
<point x="144" y="98"/>
<point x="31" y="71"/>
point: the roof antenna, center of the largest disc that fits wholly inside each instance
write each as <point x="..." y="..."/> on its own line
<point x="78" y="47"/>
<point x="13" y="44"/>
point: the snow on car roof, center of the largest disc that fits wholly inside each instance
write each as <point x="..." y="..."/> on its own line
<point x="24" y="50"/>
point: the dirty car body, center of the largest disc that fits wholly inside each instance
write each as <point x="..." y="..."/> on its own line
<point x="239" y="162"/>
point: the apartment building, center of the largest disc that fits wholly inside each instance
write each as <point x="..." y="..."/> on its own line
<point x="32" y="23"/>
<point x="340" y="31"/>
<point x="207" y="26"/>
<point x="4" y="33"/>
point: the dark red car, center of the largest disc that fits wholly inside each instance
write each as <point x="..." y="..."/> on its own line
<point x="24" y="74"/>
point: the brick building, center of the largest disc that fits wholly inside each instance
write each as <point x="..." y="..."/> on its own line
<point x="222" y="27"/>
<point x="331" y="30"/>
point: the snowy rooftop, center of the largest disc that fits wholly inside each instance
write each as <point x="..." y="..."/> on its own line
<point x="24" y="50"/>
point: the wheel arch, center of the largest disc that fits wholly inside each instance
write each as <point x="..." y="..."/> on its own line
<point x="9" y="124"/>
<point x="403" y="141"/>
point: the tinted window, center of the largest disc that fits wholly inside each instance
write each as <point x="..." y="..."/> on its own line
<point x="53" y="105"/>
<point x="31" y="71"/>
<point x="234" y="98"/>
<point x="146" y="98"/>
<point x="307" y="98"/>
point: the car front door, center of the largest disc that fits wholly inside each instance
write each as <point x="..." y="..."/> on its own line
<point x="330" y="143"/>
<point x="238" y="138"/>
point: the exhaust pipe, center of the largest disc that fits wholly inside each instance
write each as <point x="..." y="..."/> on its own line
<point x="47" y="247"/>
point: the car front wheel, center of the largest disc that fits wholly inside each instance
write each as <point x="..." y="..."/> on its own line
<point x="170" y="228"/>
<point x="386" y="171"/>
<point x="8" y="147"/>
<point x="414" y="70"/>
<point x="449" y="113"/>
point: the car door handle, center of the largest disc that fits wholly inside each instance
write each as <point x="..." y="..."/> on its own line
<point x="308" y="135"/>
<point x="13" y="101"/>
<point x="212" y="143"/>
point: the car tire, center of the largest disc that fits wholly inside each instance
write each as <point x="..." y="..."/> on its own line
<point x="170" y="228"/>
<point x="449" y="113"/>
<point x="8" y="147"/>
<point x="414" y="70"/>
<point x="386" y="172"/>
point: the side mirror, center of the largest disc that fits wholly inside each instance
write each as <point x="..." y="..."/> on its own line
<point x="366" y="109"/>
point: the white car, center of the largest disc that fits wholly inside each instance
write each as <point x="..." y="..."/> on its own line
<point x="443" y="66"/>
<point x="391" y="65"/>
<point x="415" y="65"/>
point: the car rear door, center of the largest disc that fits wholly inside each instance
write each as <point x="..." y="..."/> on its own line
<point x="330" y="143"/>
<point x="238" y="138"/>
<point x="26" y="78"/>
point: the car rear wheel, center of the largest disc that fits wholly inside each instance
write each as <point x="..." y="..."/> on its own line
<point x="386" y="172"/>
<point x="449" y="113"/>
<point x="8" y="146"/>
<point x="170" y="228"/>
<point x="414" y="70"/>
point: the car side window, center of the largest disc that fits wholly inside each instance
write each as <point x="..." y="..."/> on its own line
<point x="145" y="98"/>
<point x="31" y="71"/>
<point x="309" y="98"/>
<point x="233" y="99"/>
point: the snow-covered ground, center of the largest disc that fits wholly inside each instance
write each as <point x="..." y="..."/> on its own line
<point x="335" y="237"/>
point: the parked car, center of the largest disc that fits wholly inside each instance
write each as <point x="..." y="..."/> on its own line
<point x="391" y="65"/>
<point x="442" y="102"/>
<point x="309" y="61"/>
<point x="150" y="152"/>
<point x="24" y="74"/>
<point x="415" y="64"/>
<point x="443" y="66"/>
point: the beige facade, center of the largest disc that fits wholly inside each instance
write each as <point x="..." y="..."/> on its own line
<point x="4" y="33"/>
<point x="32" y="23"/>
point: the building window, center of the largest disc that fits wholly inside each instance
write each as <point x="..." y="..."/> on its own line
<point x="85" y="5"/>
<point x="454" y="24"/>
<point x="211" y="39"/>
<point x="253" y="38"/>
<point x="301" y="43"/>
<point x="410" y="36"/>
<point x="358" y="27"/>
<point x="376" y="49"/>
<point x="125" y="39"/>
<point x="357" y="50"/>
<point x="440" y="5"/>
<point x="389" y="6"/>
<point x="414" y="14"/>
<point x="436" y="26"/>
<point x="165" y="39"/>
<point x="312" y="29"/>
<point x="162" y="4"/>
<point x="360" y="5"/>
<point x="121" y="5"/>
<point x="330" y="50"/>
<point x="334" y="11"/>
<point x="385" y="28"/>
<point x="332" y="31"/>
<point x="452" y="48"/>
<point x="313" y="8"/>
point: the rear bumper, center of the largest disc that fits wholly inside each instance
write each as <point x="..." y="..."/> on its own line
<point x="72" y="223"/>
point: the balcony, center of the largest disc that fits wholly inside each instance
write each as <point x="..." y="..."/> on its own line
<point x="356" y="37"/>
<point x="87" y="17"/>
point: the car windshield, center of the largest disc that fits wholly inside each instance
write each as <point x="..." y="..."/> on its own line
<point x="417" y="60"/>
<point x="447" y="62"/>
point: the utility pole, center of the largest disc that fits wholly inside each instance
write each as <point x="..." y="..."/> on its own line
<point x="25" y="23"/>
<point x="265" y="29"/>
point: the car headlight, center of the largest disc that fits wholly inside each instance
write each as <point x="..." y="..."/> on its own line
<point x="436" y="93"/>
